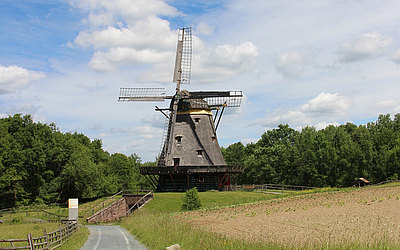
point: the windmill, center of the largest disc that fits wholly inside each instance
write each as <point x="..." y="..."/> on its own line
<point x="190" y="155"/>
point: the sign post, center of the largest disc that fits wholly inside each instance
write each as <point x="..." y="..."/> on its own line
<point x="73" y="209"/>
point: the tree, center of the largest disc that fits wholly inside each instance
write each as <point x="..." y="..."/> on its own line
<point x="191" y="200"/>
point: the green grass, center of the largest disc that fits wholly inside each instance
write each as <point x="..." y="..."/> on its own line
<point x="21" y="230"/>
<point x="171" y="202"/>
<point x="77" y="240"/>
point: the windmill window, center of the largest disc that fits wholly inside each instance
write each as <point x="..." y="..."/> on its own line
<point x="176" y="162"/>
<point x="199" y="153"/>
<point x="178" y="140"/>
<point x="201" y="178"/>
<point x="213" y="139"/>
<point x="196" y="120"/>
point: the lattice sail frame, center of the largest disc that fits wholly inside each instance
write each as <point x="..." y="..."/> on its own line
<point x="187" y="56"/>
<point x="183" y="62"/>
<point x="220" y="98"/>
<point x="142" y="94"/>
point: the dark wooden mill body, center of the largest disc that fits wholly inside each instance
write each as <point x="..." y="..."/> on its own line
<point x="190" y="155"/>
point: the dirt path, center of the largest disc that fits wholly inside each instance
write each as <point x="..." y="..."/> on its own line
<point x="110" y="237"/>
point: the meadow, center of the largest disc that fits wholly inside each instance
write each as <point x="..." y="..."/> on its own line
<point x="18" y="224"/>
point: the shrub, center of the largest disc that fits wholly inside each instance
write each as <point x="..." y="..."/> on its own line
<point x="191" y="200"/>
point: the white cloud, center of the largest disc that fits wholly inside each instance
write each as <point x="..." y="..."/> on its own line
<point x="13" y="78"/>
<point x="291" y="64"/>
<point x="224" y="61"/>
<point x="322" y="125"/>
<point x="396" y="57"/>
<point x="320" y="111"/>
<point x="99" y="19"/>
<point x="107" y="62"/>
<point x="388" y="103"/>
<point x="128" y="9"/>
<point x="149" y="33"/>
<point x="389" y="106"/>
<point x="365" y="46"/>
<point x="249" y="140"/>
<point x="126" y="32"/>
<point x="204" y="29"/>
<point x="326" y="104"/>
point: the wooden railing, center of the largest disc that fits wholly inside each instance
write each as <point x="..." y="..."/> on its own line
<point x="276" y="188"/>
<point x="29" y="208"/>
<point x="41" y="213"/>
<point x="137" y="204"/>
<point x="102" y="205"/>
<point x="50" y="240"/>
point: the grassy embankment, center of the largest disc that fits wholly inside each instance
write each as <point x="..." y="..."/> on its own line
<point x="159" y="223"/>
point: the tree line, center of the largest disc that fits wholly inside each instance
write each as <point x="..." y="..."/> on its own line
<point x="39" y="164"/>
<point x="335" y="156"/>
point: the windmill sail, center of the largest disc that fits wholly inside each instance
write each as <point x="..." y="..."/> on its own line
<point x="183" y="61"/>
<point x="142" y="94"/>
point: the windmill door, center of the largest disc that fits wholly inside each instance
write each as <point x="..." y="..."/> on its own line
<point x="176" y="163"/>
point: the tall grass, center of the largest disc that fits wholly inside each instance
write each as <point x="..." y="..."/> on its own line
<point x="157" y="231"/>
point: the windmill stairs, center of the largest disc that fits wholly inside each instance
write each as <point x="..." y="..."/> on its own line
<point x="130" y="201"/>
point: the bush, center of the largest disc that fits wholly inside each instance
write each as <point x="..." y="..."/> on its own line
<point x="191" y="200"/>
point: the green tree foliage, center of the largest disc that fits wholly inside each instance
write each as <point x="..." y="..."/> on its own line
<point x="334" y="156"/>
<point x="39" y="164"/>
<point x="191" y="200"/>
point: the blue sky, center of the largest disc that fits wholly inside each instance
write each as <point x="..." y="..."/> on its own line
<point x="308" y="63"/>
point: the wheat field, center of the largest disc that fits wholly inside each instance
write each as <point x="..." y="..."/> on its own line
<point x="367" y="217"/>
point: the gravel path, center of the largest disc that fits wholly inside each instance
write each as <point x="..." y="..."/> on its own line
<point x="110" y="237"/>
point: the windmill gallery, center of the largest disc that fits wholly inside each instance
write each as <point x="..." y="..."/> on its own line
<point x="190" y="154"/>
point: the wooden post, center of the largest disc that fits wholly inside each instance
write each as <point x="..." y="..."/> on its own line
<point x="60" y="234"/>
<point x="30" y="242"/>
<point x="47" y="238"/>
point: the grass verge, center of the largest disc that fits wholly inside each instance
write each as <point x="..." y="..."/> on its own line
<point x="77" y="240"/>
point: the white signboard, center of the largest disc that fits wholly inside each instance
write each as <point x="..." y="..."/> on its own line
<point x="72" y="209"/>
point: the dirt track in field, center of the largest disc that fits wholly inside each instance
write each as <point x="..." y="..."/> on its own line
<point x="368" y="216"/>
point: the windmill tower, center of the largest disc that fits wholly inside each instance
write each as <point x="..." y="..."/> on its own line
<point x="190" y="154"/>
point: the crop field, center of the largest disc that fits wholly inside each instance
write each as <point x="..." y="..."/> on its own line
<point x="366" y="218"/>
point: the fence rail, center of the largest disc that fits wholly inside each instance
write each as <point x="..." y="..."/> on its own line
<point x="384" y="182"/>
<point x="50" y="240"/>
<point x="103" y="204"/>
<point x="41" y="213"/>
<point x="273" y="188"/>
<point x="137" y="205"/>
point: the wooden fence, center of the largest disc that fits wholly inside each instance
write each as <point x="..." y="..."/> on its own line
<point x="47" y="241"/>
<point x="41" y="213"/>
<point x="273" y="188"/>
<point x="142" y="201"/>
<point x="103" y="204"/>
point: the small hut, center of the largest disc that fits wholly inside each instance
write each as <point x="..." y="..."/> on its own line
<point x="361" y="182"/>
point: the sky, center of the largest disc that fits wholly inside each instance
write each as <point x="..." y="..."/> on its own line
<point x="302" y="63"/>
